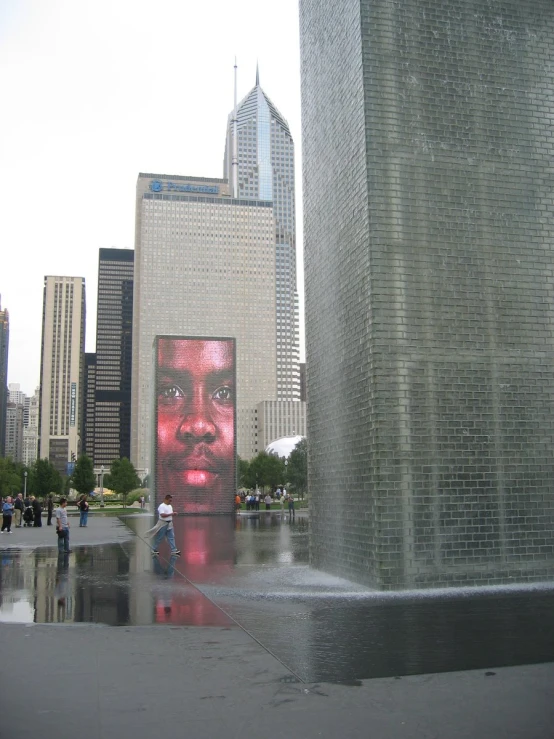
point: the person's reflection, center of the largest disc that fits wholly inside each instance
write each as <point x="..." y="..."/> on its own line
<point x="207" y="556"/>
<point x="62" y="585"/>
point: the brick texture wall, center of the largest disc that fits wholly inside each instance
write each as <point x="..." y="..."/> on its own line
<point x="428" y="139"/>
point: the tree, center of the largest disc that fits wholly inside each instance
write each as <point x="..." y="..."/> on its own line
<point x="265" y="470"/>
<point x="123" y="477"/>
<point x="84" y="479"/>
<point x="243" y="465"/>
<point x="274" y="470"/>
<point x="10" y="479"/>
<point x="44" y="478"/>
<point x="297" y="467"/>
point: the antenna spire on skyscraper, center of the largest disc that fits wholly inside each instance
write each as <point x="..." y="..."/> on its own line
<point x="235" y="160"/>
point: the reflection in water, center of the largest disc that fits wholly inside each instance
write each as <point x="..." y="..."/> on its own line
<point x="253" y="571"/>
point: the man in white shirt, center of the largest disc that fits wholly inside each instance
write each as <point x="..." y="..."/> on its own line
<point x="165" y="526"/>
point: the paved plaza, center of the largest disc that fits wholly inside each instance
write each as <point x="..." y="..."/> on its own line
<point x="205" y="649"/>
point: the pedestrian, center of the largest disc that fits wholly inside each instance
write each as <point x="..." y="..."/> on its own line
<point x="268" y="500"/>
<point x="257" y="500"/>
<point x="7" y="513"/>
<point x="164" y="527"/>
<point x="237" y="502"/>
<point x="37" y="512"/>
<point x="50" y="507"/>
<point x="292" y="513"/>
<point x="62" y="527"/>
<point x="83" y="508"/>
<point x="18" y="511"/>
<point x="142" y="501"/>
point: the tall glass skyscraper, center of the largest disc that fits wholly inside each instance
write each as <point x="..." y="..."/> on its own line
<point x="265" y="153"/>
<point x="112" y="373"/>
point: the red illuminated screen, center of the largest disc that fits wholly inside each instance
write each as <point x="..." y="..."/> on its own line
<point x="195" y="423"/>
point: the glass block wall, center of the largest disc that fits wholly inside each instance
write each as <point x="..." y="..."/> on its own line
<point x="429" y="226"/>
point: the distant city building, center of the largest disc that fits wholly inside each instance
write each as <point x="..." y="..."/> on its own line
<point x="428" y="230"/>
<point x="89" y="404"/>
<point x="280" y="418"/>
<point x="265" y="157"/>
<point x="14" y="431"/>
<point x="62" y="370"/>
<point x="302" y="380"/>
<point x="4" y="344"/>
<point x="114" y="333"/>
<point x="204" y="266"/>
<point x="30" y="429"/>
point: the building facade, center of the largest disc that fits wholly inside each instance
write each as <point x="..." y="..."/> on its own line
<point x="203" y="267"/>
<point x="429" y="223"/>
<point x="62" y="370"/>
<point x="14" y="431"/>
<point x="4" y="346"/>
<point x="265" y="161"/>
<point x="89" y="404"/>
<point x="278" y="419"/>
<point x="111" y="438"/>
<point x="30" y="430"/>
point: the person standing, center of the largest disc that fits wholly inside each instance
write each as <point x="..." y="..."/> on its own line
<point x="18" y="511"/>
<point x="7" y="513"/>
<point x="267" y="501"/>
<point x="62" y="527"/>
<point x="50" y="506"/>
<point x="164" y="527"/>
<point x="83" y="508"/>
<point x="292" y="513"/>
<point x="37" y="512"/>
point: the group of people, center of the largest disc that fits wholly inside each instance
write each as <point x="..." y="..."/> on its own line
<point x="28" y="511"/>
<point x="252" y="501"/>
<point x="24" y="512"/>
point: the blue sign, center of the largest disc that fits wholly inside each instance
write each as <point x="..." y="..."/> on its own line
<point x="69" y="468"/>
<point x="73" y="403"/>
<point x="159" y="185"/>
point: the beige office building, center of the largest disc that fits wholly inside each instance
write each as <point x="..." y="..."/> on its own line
<point x="204" y="266"/>
<point x="61" y="370"/>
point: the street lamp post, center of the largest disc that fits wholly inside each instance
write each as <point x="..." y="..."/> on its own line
<point x="102" y="486"/>
<point x="25" y="484"/>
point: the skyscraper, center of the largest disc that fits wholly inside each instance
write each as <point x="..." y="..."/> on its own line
<point x="429" y="224"/>
<point x="112" y="377"/>
<point x="61" y="370"/>
<point x="30" y="430"/>
<point x="265" y="157"/>
<point x="89" y="404"/>
<point x="203" y="267"/>
<point x="4" y="344"/>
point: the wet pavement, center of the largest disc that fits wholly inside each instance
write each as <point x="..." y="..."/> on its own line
<point x="251" y="573"/>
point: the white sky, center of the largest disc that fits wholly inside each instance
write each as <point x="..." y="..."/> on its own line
<point x="96" y="91"/>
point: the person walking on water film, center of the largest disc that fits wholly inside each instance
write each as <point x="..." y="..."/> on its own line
<point x="164" y="527"/>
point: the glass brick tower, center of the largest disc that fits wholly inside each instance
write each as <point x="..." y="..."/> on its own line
<point x="429" y="226"/>
<point x="265" y="153"/>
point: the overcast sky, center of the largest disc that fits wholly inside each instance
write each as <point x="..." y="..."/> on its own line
<point x="96" y="91"/>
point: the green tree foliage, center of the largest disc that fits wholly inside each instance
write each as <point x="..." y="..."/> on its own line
<point x="11" y="478"/>
<point x="265" y="470"/>
<point x="242" y="466"/>
<point x="83" y="477"/>
<point x="123" y="477"/>
<point x="297" y="467"/>
<point x="44" y="478"/>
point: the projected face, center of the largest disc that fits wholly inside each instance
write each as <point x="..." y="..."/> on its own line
<point x="195" y="392"/>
